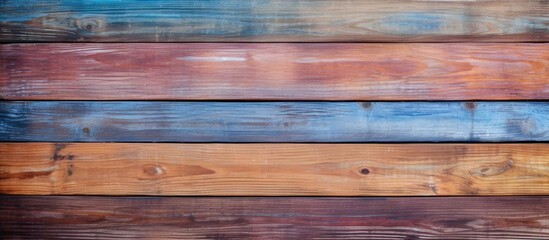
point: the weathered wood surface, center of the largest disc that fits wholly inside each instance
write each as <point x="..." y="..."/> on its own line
<point x="274" y="218"/>
<point x="277" y="20"/>
<point x="274" y="71"/>
<point x="65" y="121"/>
<point x="274" y="169"/>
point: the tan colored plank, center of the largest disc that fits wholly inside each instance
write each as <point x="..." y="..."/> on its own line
<point x="274" y="169"/>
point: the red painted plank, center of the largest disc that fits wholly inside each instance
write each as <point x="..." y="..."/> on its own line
<point x="274" y="218"/>
<point x="274" y="71"/>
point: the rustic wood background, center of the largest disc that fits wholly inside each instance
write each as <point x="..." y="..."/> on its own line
<point x="274" y="119"/>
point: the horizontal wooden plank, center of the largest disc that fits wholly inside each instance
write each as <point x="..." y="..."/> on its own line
<point x="274" y="169"/>
<point x="274" y="71"/>
<point x="274" y="218"/>
<point x="277" y="20"/>
<point x="64" y="121"/>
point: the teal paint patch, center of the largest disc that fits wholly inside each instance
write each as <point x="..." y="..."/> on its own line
<point x="531" y="25"/>
<point x="412" y="23"/>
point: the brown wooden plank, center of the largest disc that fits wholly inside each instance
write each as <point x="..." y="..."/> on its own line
<point x="274" y="218"/>
<point x="274" y="71"/>
<point x="274" y="169"/>
<point x="274" y="20"/>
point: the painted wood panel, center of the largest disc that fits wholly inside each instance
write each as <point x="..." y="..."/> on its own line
<point x="274" y="71"/>
<point x="274" y="218"/>
<point x="276" y="20"/>
<point x="274" y="169"/>
<point x="103" y="121"/>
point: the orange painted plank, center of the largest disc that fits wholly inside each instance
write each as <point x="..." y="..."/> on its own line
<point x="205" y="71"/>
<point x="274" y="169"/>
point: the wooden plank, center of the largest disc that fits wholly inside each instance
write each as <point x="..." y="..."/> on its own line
<point x="277" y="20"/>
<point x="274" y="169"/>
<point x="63" y="121"/>
<point x="274" y="218"/>
<point x="274" y="71"/>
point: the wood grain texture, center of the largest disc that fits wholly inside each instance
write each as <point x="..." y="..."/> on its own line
<point x="277" y="20"/>
<point x="274" y="169"/>
<point x="274" y="71"/>
<point x="65" y="121"/>
<point x="274" y="218"/>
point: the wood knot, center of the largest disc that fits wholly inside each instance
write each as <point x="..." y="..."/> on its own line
<point x="89" y="25"/>
<point x="86" y="131"/>
<point x="492" y="170"/>
<point x="470" y="105"/>
<point x="364" y="171"/>
<point x="69" y="170"/>
<point x="57" y="155"/>
<point x="153" y="170"/>
<point x="366" y="105"/>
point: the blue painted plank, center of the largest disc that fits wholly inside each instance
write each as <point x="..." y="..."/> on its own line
<point x="274" y="121"/>
<point x="273" y="20"/>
